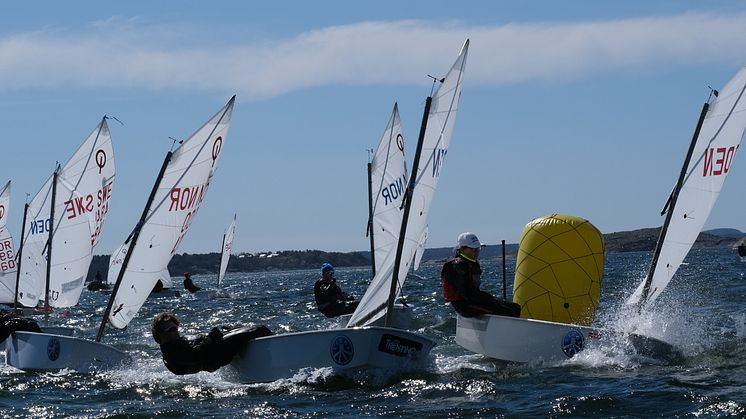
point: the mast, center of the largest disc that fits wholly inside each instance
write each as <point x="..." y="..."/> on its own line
<point x="370" y="218"/>
<point x="669" y="208"/>
<point x="135" y="235"/>
<point x="405" y="217"/>
<point x="50" y="239"/>
<point x="20" y="255"/>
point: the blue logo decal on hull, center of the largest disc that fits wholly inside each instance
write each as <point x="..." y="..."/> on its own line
<point x="53" y="349"/>
<point x="573" y="342"/>
<point x="342" y="350"/>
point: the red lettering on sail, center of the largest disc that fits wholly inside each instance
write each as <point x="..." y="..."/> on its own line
<point x="101" y="209"/>
<point x="187" y="198"/>
<point x="717" y="161"/>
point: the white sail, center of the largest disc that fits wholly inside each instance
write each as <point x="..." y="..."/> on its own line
<point x="420" y="250"/>
<point x="389" y="183"/>
<point x="115" y="262"/>
<point x="711" y="160"/>
<point x="7" y="256"/>
<point x="31" y="282"/>
<point x="180" y="193"/>
<point x="83" y="190"/>
<point x="165" y="278"/>
<point x="115" y="266"/>
<point x="437" y="137"/>
<point x="227" y="248"/>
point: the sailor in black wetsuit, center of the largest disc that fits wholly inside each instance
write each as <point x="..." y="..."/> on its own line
<point x="98" y="283"/>
<point x="188" y="284"/>
<point x="330" y="299"/>
<point x="204" y="353"/>
<point x="11" y="322"/>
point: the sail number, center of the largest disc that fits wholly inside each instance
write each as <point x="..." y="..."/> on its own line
<point x="40" y="226"/>
<point x="438" y="155"/>
<point x="395" y="189"/>
<point x="717" y="160"/>
<point x="187" y="199"/>
<point x="6" y="256"/>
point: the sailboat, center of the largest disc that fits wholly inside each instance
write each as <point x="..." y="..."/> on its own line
<point x="435" y="136"/>
<point x="7" y="256"/>
<point x="62" y="224"/>
<point x="387" y="184"/>
<point x="708" y="160"/>
<point x="226" y="250"/>
<point x="179" y="190"/>
<point x="715" y="142"/>
<point x="225" y="255"/>
<point x="360" y="346"/>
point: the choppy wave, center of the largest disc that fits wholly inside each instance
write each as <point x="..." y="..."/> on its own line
<point x="700" y="314"/>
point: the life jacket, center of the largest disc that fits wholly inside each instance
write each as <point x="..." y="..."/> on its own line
<point x="449" y="291"/>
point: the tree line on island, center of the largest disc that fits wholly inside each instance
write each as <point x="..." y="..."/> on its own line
<point x="208" y="263"/>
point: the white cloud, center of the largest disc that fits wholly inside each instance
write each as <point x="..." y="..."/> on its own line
<point x="122" y="52"/>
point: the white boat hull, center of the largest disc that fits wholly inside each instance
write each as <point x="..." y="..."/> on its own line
<point x="344" y="350"/>
<point x="527" y="340"/>
<point x="30" y="351"/>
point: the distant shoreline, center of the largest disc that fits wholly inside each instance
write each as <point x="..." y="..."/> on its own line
<point x="207" y="263"/>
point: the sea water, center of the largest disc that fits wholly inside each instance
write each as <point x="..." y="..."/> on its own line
<point x="701" y="313"/>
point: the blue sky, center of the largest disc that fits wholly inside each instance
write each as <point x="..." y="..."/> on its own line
<point x="583" y="108"/>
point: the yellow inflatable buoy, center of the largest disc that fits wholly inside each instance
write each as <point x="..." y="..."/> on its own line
<point x="559" y="269"/>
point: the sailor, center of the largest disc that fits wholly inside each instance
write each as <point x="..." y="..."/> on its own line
<point x="11" y="322"/>
<point x="460" y="279"/>
<point x="330" y="299"/>
<point x="97" y="283"/>
<point x="204" y="353"/>
<point x="158" y="287"/>
<point x="188" y="284"/>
